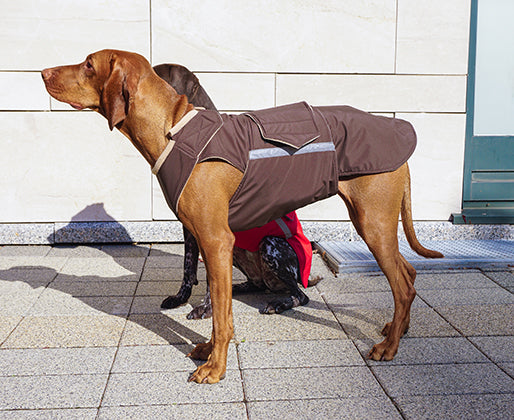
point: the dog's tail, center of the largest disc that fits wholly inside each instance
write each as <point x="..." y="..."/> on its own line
<point x="408" y="226"/>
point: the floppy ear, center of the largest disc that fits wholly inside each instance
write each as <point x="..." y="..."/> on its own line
<point x="119" y="86"/>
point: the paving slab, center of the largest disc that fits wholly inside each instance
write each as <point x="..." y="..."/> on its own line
<point x="66" y="331"/>
<point x="329" y="382"/>
<point x="59" y="414"/>
<point x="155" y="388"/>
<point x="155" y="329"/>
<point x="443" y="379"/>
<point x="431" y="350"/>
<point x="57" y="361"/>
<point x="480" y="320"/>
<point x="476" y="407"/>
<point x="456" y="297"/>
<point x="462" y="280"/>
<point x="296" y="354"/>
<point x="80" y="289"/>
<point x="58" y="391"/>
<point x="498" y="349"/>
<point x="335" y="408"/>
<point x="30" y="251"/>
<point x="503" y="278"/>
<point x="163" y="358"/>
<point x="7" y="325"/>
<point x="105" y="269"/>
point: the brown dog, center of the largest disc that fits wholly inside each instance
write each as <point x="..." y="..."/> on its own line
<point x="124" y="88"/>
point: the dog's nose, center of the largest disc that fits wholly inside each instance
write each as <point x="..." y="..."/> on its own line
<point x="46" y="74"/>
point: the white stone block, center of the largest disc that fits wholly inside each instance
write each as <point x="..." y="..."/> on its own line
<point x="276" y="36"/>
<point x="62" y="166"/>
<point x="239" y="91"/>
<point x="376" y="93"/>
<point x="23" y="91"/>
<point x="437" y="164"/>
<point x="433" y="37"/>
<point x="36" y="34"/>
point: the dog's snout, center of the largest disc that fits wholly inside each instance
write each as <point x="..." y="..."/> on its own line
<point x="46" y="74"/>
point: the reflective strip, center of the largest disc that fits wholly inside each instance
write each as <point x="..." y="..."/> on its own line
<point x="284" y="228"/>
<point x="272" y="152"/>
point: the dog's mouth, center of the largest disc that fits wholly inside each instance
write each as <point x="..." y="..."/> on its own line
<point x="76" y="106"/>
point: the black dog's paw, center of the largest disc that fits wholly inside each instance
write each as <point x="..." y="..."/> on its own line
<point x="171" y="302"/>
<point x="202" y="311"/>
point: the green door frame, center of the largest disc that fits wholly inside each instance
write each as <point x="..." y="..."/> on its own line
<point x="488" y="160"/>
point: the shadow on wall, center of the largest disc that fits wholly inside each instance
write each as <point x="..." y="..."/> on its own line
<point x="82" y="230"/>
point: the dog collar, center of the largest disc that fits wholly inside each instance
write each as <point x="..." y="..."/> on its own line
<point x="171" y="143"/>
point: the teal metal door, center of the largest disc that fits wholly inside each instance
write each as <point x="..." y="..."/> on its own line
<point x="488" y="190"/>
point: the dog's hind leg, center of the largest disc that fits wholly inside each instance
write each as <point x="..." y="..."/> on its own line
<point x="374" y="203"/>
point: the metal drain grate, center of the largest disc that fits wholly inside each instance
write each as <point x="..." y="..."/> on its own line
<point x="355" y="256"/>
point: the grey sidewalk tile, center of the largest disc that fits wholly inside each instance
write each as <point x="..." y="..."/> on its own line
<point x="67" y="331"/>
<point x="95" y="288"/>
<point x="169" y="388"/>
<point x="498" y="349"/>
<point x="215" y="411"/>
<point x="480" y="320"/>
<point x="476" y="407"/>
<point x="7" y="325"/>
<point x="160" y="250"/>
<point x="170" y="358"/>
<point x="126" y="250"/>
<point x="76" y="361"/>
<point x="35" y="276"/>
<point x="298" y="324"/>
<point x="508" y="368"/>
<point x="166" y="261"/>
<point x="55" y="303"/>
<point x="354" y="283"/>
<point x="102" y="269"/>
<point x="57" y="414"/>
<point x="82" y="251"/>
<point x="476" y="378"/>
<point x="26" y="251"/>
<point x="295" y="354"/>
<point x="310" y="383"/>
<point x="337" y="408"/>
<point x="366" y="324"/>
<point x="156" y="329"/>
<point x="18" y="299"/>
<point x="455" y="297"/>
<point x="60" y="391"/>
<point x="154" y="274"/>
<point x="28" y="262"/>
<point x="345" y="301"/>
<point x="462" y="280"/>
<point x="503" y="278"/>
<point x="452" y="350"/>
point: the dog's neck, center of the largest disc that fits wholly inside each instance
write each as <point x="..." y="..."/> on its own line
<point x="149" y="122"/>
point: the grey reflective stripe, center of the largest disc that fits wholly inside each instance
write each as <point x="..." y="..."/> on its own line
<point x="284" y="228"/>
<point x="288" y="151"/>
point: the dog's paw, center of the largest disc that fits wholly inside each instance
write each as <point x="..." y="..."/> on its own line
<point x="202" y="351"/>
<point x="383" y="351"/>
<point x="207" y="374"/>
<point x="171" y="302"/>
<point x="202" y="311"/>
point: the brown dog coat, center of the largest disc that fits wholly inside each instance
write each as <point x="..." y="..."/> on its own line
<point x="291" y="155"/>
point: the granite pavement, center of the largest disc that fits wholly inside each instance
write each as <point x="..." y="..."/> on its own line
<point x="82" y="336"/>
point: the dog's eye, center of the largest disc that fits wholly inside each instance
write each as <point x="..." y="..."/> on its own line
<point x="88" y="66"/>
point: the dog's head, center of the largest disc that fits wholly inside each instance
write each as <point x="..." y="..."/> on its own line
<point x="104" y="82"/>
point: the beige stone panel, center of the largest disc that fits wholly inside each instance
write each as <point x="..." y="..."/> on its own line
<point x="36" y="34"/>
<point x="433" y="37"/>
<point x="437" y="165"/>
<point x="22" y="91"/>
<point x="376" y="93"/>
<point x="67" y="165"/>
<point x="239" y="91"/>
<point x="268" y="36"/>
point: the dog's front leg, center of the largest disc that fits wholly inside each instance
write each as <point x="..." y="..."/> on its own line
<point x="203" y="209"/>
<point x="217" y="253"/>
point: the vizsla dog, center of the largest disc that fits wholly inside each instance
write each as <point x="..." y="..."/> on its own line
<point x="123" y="87"/>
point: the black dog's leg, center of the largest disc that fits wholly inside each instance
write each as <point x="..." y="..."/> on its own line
<point x="191" y="253"/>
<point x="281" y="262"/>
<point x="204" y="309"/>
